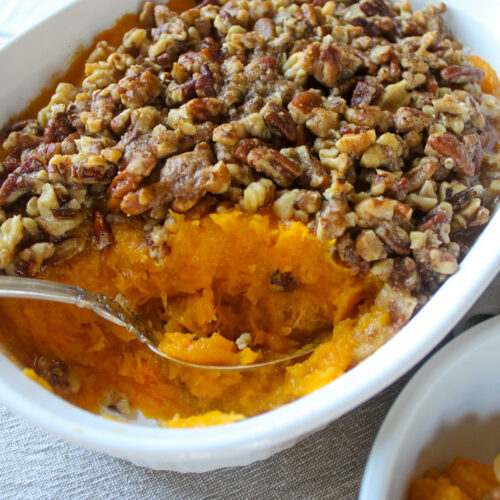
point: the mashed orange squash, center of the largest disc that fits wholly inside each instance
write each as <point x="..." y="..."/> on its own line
<point x="464" y="479"/>
<point x="212" y="286"/>
<point x="490" y="83"/>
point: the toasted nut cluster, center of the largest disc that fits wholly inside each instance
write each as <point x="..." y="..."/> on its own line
<point x="362" y="119"/>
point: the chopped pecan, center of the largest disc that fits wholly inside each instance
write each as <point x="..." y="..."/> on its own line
<point x="201" y="86"/>
<point x="474" y="148"/>
<point x="460" y="74"/>
<point x="147" y="15"/>
<point x="302" y="105"/>
<point x="369" y="116"/>
<point x="331" y="221"/>
<point x="442" y="261"/>
<point x="435" y="219"/>
<point x="374" y="210"/>
<point x="17" y="142"/>
<point x="348" y="254"/>
<point x="448" y="146"/>
<point x="356" y="144"/>
<point x="20" y="181"/>
<point x="102" y="232"/>
<point x="366" y="93"/>
<point x="421" y="173"/>
<point x="395" y="237"/>
<point x="246" y="145"/>
<point x="368" y="26"/>
<point x="333" y="63"/>
<point x="139" y="87"/>
<point x="297" y="204"/>
<point x="120" y="122"/>
<point x="265" y="27"/>
<point x="279" y="119"/>
<point x="193" y="61"/>
<point x="376" y="8"/>
<point x="404" y="273"/>
<point x="274" y="165"/>
<point x="350" y="128"/>
<point x="8" y="166"/>
<point x="314" y="174"/>
<point x="184" y="180"/>
<point x="407" y="119"/>
<point x="204" y="109"/>
<point x="57" y="129"/>
<point x="139" y="166"/>
<point x="369" y="246"/>
<point x="460" y="198"/>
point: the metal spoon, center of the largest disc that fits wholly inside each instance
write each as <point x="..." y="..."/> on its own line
<point x="110" y="309"/>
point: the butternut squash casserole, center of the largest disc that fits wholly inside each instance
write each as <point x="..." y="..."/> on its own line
<point x="247" y="174"/>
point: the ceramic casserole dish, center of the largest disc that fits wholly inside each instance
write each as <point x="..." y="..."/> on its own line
<point x="28" y="63"/>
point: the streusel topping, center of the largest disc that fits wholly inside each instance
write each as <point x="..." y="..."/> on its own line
<point x="362" y="119"/>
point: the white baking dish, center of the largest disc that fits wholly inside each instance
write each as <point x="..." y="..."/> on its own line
<point x="27" y="64"/>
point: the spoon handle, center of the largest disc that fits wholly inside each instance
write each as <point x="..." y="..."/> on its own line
<point x="29" y="288"/>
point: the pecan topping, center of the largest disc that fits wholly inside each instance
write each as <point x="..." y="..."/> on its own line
<point x="140" y="165"/>
<point x="474" y="148"/>
<point x="394" y="237"/>
<point x="332" y="63"/>
<point x="360" y="119"/>
<point x="246" y="145"/>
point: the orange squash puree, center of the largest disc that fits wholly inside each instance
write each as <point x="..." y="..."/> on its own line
<point x="210" y="418"/>
<point x="490" y="83"/>
<point x="30" y="373"/>
<point x="463" y="479"/>
<point x="215" y="278"/>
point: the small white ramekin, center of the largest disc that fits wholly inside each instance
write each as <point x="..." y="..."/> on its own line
<point x="27" y="64"/>
<point x="450" y="408"/>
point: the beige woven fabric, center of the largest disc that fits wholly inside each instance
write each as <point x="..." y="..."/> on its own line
<point x="327" y="465"/>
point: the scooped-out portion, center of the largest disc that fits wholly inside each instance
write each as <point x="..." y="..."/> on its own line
<point x="228" y="288"/>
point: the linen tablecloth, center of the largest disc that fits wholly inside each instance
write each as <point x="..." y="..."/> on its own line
<point x="329" y="464"/>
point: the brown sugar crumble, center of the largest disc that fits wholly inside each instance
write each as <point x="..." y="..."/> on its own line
<point x="362" y="119"/>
